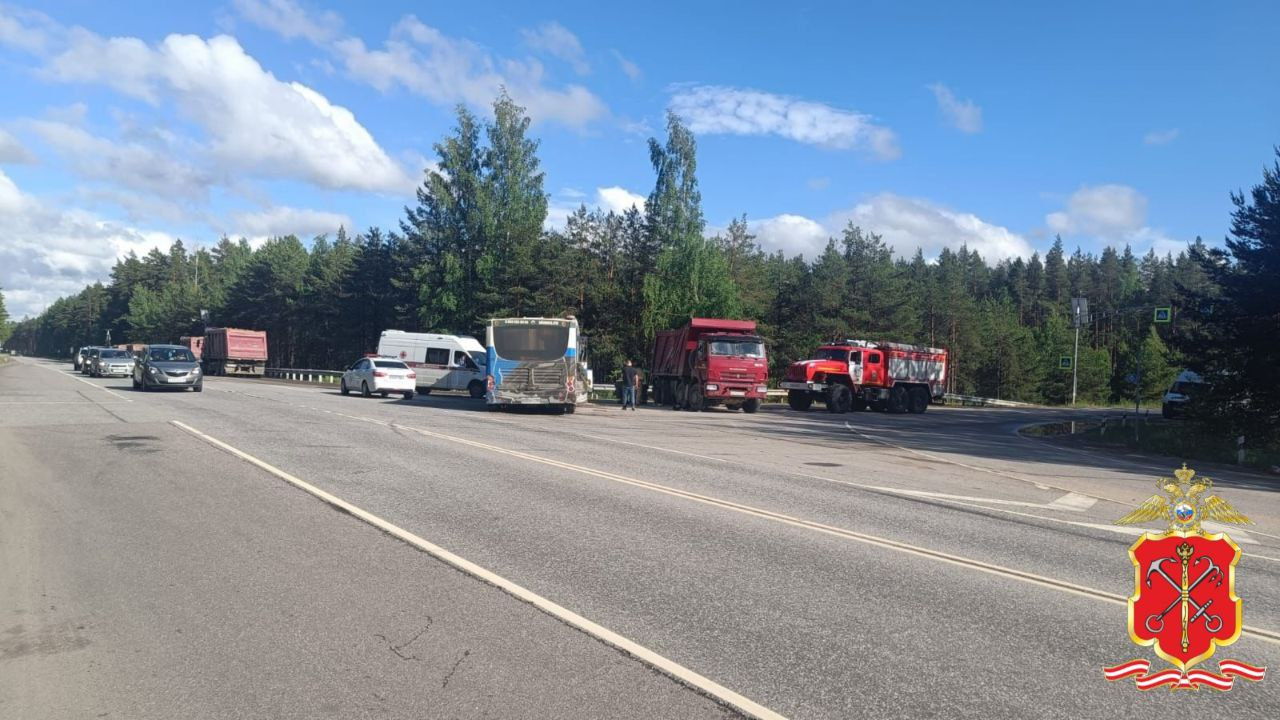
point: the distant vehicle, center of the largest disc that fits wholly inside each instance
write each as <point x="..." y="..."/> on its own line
<point x="442" y="362"/>
<point x="90" y="357"/>
<point x="78" y="362"/>
<point x="1182" y="392"/>
<point x="379" y="375"/>
<point x="232" y="351"/>
<point x="710" y="362"/>
<point x="110" y="362"/>
<point x="535" y="361"/>
<point x="857" y="374"/>
<point x="167" y="366"/>
<point x="194" y="343"/>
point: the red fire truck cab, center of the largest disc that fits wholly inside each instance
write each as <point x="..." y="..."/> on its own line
<point x="858" y="374"/>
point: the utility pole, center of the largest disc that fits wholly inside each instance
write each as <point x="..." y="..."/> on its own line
<point x="1079" y="311"/>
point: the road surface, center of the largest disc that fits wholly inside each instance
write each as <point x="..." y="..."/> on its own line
<point x="166" y="555"/>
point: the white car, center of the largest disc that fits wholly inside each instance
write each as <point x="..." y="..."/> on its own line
<point x="380" y="375"/>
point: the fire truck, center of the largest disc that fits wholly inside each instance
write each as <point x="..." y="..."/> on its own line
<point x="858" y="374"/>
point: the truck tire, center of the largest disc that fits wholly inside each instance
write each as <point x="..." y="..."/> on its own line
<point x="839" y="398"/>
<point x="751" y="405"/>
<point x="859" y="404"/>
<point x="918" y="400"/>
<point x="897" y="399"/>
<point x="475" y="389"/>
<point x="799" y="400"/>
<point x="693" y="399"/>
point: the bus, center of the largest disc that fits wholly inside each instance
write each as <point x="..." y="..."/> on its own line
<point x="535" y="361"/>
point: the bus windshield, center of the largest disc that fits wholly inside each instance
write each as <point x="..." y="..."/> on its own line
<point x="738" y="348"/>
<point x="531" y="343"/>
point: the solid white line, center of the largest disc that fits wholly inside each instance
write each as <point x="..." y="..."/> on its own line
<point x="86" y="401"/>
<point x="645" y="655"/>
<point x="86" y="382"/>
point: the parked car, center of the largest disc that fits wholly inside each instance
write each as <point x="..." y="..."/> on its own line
<point x="1183" y="391"/>
<point x="379" y="375"/>
<point x="442" y="362"/>
<point x="90" y="357"/>
<point x="78" y="362"/>
<point x="109" y="361"/>
<point x="167" y="366"/>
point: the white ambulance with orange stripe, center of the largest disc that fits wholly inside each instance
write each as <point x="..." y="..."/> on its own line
<point x="442" y="362"/>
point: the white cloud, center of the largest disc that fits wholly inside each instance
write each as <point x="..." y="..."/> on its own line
<point x="280" y="220"/>
<point x="13" y="152"/>
<point x="963" y="115"/>
<point x="907" y="224"/>
<point x="446" y="71"/>
<point x="25" y="29"/>
<point x="713" y="109"/>
<point x="255" y="123"/>
<point x="288" y="19"/>
<point x="1106" y="211"/>
<point x="630" y="69"/>
<point x="1160" y="137"/>
<point x="619" y="199"/>
<point x="49" y="252"/>
<point x="557" y="41"/>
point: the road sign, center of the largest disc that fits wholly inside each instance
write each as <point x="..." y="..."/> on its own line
<point x="1064" y="362"/>
<point x="1164" y="314"/>
<point x="1079" y="311"/>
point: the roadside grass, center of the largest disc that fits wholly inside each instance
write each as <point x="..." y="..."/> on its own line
<point x="1174" y="438"/>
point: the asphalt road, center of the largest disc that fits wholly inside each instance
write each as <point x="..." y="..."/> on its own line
<point x="821" y="566"/>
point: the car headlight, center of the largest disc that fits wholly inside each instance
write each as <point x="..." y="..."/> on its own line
<point x="712" y="387"/>
<point x="195" y="370"/>
<point x="151" y="370"/>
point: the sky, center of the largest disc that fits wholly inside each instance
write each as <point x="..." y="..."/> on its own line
<point x="126" y="125"/>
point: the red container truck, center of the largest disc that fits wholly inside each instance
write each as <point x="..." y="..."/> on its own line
<point x="857" y="374"/>
<point x="710" y="362"/>
<point x="234" y="351"/>
<point x="195" y="343"/>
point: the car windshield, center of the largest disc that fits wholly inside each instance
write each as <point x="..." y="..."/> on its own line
<point x="171" y="355"/>
<point x="1186" y="388"/>
<point x="738" y="348"/>
<point x="114" y="354"/>
<point x="481" y="359"/>
<point x="391" y="364"/>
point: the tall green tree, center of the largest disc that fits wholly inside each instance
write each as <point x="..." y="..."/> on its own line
<point x="6" y="328"/>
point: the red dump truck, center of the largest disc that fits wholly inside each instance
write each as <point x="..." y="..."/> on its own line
<point x="194" y="343"/>
<point x="710" y="362"/>
<point x="857" y="374"/>
<point x="234" y="351"/>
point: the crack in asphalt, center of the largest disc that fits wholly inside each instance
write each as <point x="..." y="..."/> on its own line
<point x="397" y="649"/>
<point x="454" y="669"/>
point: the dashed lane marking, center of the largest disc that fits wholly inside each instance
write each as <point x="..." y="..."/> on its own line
<point x="632" y="648"/>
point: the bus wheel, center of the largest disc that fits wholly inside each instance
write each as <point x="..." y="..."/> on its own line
<point x="476" y="389"/>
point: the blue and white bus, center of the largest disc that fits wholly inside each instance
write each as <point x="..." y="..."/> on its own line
<point x="535" y="361"/>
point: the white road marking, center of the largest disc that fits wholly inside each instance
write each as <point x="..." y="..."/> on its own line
<point x="86" y="401"/>
<point x="1073" y="501"/>
<point x="644" y="654"/>
<point x="994" y="501"/>
<point x="907" y="548"/>
<point x="86" y="382"/>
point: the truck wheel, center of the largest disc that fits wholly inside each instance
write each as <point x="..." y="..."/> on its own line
<point x="342" y="387"/>
<point x="859" y="404"/>
<point x="475" y="388"/>
<point x="751" y="405"/>
<point x="919" y="400"/>
<point x="364" y="389"/>
<point x="799" y="400"/>
<point x="694" y="399"/>
<point x="839" y="398"/>
<point x="897" y="399"/>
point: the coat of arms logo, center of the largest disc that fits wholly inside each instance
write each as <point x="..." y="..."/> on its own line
<point x="1184" y="605"/>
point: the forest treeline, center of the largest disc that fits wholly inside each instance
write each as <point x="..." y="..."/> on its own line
<point x="475" y="245"/>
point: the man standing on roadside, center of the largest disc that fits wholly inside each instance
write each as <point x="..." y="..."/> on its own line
<point x="630" y="385"/>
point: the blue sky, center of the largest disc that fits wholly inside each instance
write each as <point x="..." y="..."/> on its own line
<point x="128" y="124"/>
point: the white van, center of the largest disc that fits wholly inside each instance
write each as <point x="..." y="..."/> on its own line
<point x="442" y="362"/>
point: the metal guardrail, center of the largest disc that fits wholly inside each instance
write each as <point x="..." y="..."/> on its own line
<point x="975" y="401"/>
<point x="329" y="377"/>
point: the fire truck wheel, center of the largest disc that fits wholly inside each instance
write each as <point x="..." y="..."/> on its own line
<point x="799" y="400"/>
<point x="839" y="398"/>
<point x="751" y="405"/>
<point x="919" y="400"/>
<point x="897" y="399"/>
<point x="859" y="404"/>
